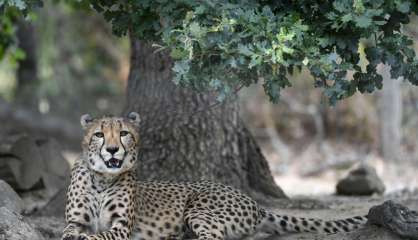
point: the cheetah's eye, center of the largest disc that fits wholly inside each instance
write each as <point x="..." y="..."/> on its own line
<point x="123" y="133"/>
<point x="99" y="134"/>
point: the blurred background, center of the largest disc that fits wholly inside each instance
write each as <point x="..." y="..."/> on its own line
<point x="74" y="65"/>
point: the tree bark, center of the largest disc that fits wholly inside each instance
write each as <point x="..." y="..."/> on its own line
<point x="27" y="72"/>
<point x="211" y="144"/>
<point x="390" y="111"/>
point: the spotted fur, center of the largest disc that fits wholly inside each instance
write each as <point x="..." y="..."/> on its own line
<point x="105" y="201"/>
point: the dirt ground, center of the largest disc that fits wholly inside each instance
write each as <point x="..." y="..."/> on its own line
<point x="313" y="197"/>
<point x="335" y="207"/>
<point x="324" y="207"/>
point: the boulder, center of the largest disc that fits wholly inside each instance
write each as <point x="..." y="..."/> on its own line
<point x="361" y="181"/>
<point x="396" y="218"/>
<point x="38" y="163"/>
<point x="13" y="227"/>
<point x="9" y="198"/>
<point x="29" y="167"/>
<point x="55" y="206"/>
<point x="49" y="227"/>
<point x="6" y="171"/>
<point x="57" y="170"/>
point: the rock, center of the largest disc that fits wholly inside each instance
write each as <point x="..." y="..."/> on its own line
<point x="9" y="198"/>
<point x="12" y="227"/>
<point x="39" y="161"/>
<point x="57" y="170"/>
<point x="49" y="227"/>
<point x="396" y="218"/>
<point x="28" y="170"/>
<point x="361" y="181"/>
<point x="56" y="205"/>
<point x="6" y="172"/>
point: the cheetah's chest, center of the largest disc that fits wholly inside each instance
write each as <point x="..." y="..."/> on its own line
<point x="104" y="210"/>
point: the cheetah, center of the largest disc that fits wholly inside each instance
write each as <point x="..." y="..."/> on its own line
<point x="105" y="200"/>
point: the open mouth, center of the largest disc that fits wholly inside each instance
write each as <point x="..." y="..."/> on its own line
<point x="113" y="163"/>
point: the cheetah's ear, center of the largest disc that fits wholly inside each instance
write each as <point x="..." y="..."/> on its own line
<point x="134" y="118"/>
<point x="86" y="120"/>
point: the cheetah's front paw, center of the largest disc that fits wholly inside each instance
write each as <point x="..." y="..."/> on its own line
<point x="75" y="237"/>
<point x="69" y="237"/>
<point x="83" y="237"/>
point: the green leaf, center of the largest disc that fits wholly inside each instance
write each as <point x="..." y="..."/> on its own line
<point x="244" y="50"/>
<point x="255" y="60"/>
<point x="363" y="21"/>
<point x="286" y="49"/>
<point x="20" y="4"/>
<point x="403" y="6"/>
<point x="359" y="6"/>
<point x="342" y="5"/>
<point x="19" y="54"/>
<point x="347" y="18"/>
<point x="200" y="9"/>
<point x="196" y="30"/>
<point x="219" y="44"/>
<point x="215" y="83"/>
<point x="380" y="22"/>
<point x="177" y="53"/>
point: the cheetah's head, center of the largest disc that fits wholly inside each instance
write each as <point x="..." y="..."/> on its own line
<point x="110" y="144"/>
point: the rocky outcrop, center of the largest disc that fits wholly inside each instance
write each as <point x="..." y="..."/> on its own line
<point x="396" y="218"/>
<point x="50" y="227"/>
<point x="9" y="198"/>
<point x="38" y="161"/>
<point x="13" y="227"/>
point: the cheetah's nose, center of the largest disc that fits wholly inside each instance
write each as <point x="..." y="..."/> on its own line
<point x="112" y="149"/>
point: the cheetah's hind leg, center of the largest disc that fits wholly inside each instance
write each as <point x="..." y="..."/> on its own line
<point x="204" y="224"/>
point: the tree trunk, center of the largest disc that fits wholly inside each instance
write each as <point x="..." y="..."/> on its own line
<point x="27" y="72"/>
<point x="212" y="144"/>
<point x="390" y="111"/>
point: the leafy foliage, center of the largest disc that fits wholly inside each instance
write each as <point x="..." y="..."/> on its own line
<point x="10" y="12"/>
<point x="223" y="45"/>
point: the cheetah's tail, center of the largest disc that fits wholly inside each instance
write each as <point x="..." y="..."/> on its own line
<point x="282" y="224"/>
